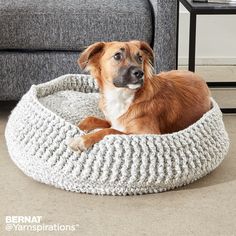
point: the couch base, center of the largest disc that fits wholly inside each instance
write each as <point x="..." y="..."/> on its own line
<point x="19" y="70"/>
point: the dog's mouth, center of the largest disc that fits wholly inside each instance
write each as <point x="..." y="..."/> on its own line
<point x="123" y="83"/>
<point x="135" y="85"/>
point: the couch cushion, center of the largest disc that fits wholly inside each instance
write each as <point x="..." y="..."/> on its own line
<point x="72" y="24"/>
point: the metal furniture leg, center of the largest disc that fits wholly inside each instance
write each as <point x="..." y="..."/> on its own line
<point x="192" y="42"/>
<point x="177" y="36"/>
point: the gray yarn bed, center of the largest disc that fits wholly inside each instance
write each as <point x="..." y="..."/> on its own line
<point x="40" y="126"/>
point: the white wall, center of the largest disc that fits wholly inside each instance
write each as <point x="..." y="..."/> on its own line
<point x="216" y="39"/>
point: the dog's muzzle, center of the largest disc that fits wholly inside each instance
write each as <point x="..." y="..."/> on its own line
<point x="131" y="77"/>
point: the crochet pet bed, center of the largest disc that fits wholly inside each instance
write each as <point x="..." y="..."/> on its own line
<point x="39" y="127"/>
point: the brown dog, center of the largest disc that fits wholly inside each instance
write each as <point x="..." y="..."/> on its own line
<point x="133" y="99"/>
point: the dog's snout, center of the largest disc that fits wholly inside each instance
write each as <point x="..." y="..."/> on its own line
<point x="129" y="76"/>
<point x="137" y="73"/>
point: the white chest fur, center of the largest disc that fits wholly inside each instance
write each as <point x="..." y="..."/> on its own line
<point x="117" y="102"/>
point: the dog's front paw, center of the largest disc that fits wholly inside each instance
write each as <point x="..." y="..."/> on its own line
<point x="77" y="144"/>
<point x="84" y="125"/>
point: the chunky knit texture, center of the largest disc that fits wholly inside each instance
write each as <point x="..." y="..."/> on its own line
<point x="41" y="124"/>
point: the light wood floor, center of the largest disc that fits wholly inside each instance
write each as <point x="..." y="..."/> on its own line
<point x="215" y="73"/>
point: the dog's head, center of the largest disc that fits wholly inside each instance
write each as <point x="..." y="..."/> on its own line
<point x="119" y="64"/>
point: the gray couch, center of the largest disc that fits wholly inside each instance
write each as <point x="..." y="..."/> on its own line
<point x="42" y="39"/>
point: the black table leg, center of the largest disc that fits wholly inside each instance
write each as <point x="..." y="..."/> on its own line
<point x="228" y="110"/>
<point x="192" y="42"/>
<point x="177" y="36"/>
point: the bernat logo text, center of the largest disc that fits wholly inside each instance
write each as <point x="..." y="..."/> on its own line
<point x="35" y="224"/>
<point x="23" y="219"/>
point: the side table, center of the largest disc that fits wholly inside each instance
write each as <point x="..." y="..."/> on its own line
<point x="203" y="9"/>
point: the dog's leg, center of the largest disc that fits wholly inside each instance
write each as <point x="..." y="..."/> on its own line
<point x="91" y="123"/>
<point x="86" y="141"/>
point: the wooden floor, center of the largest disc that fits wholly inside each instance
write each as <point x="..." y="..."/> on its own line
<point x="215" y="73"/>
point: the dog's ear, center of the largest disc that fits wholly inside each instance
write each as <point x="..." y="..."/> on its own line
<point x="89" y="53"/>
<point x="146" y="49"/>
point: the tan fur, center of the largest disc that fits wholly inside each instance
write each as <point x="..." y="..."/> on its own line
<point x="167" y="102"/>
<point x="90" y="123"/>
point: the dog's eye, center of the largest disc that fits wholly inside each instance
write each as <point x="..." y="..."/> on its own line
<point x="117" y="56"/>
<point x="139" y="58"/>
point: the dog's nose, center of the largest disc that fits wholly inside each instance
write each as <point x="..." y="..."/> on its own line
<point x="137" y="73"/>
